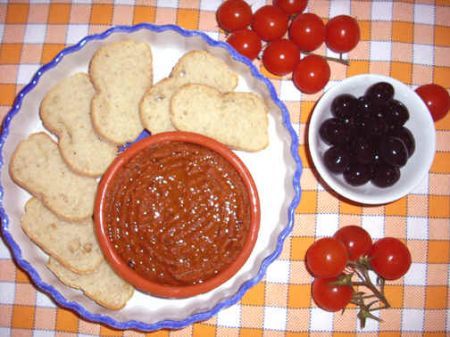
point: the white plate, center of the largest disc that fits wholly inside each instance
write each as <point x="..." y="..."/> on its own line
<point x="276" y="171"/>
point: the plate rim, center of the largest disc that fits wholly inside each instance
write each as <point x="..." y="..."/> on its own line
<point x="50" y="290"/>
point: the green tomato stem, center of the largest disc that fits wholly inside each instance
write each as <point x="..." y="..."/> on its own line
<point x="372" y="298"/>
<point x="340" y="60"/>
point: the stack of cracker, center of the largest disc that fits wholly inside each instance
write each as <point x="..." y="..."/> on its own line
<point x="91" y="115"/>
<point x="198" y="97"/>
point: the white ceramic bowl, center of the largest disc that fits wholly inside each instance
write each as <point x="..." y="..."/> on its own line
<point x="420" y="124"/>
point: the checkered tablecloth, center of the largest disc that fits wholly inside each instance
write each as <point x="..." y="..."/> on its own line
<point x="408" y="40"/>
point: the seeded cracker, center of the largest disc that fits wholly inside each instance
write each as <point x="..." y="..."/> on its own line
<point x="103" y="285"/>
<point x="74" y="245"/>
<point x="236" y="119"/>
<point x="37" y="166"/>
<point x="194" y="67"/>
<point x="121" y="73"/>
<point x="66" y="112"/>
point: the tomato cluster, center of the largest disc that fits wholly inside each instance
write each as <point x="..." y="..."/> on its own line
<point x="286" y="32"/>
<point x="335" y="261"/>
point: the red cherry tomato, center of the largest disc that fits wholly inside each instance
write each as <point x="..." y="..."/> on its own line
<point x="307" y="31"/>
<point x="327" y="257"/>
<point x="311" y="74"/>
<point x="357" y="241"/>
<point x="281" y="56"/>
<point x="331" y="297"/>
<point x="436" y="98"/>
<point x="342" y="33"/>
<point x="270" y="23"/>
<point x="390" y="258"/>
<point x="291" y="6"/>
<point x="246" y="42"/>
<point x="234" y="15"/>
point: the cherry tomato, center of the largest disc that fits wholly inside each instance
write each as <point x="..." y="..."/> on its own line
<point x="390" y="258"/>
<point x="342" y="33"/>
<point x="357" y="241"/>
<point x="307" y="31"/>
<point x="291" y="6"/>
<point x="246" y="42"/>
<point x="331" y="297"/>
<point x="234" y="15"/>
<point x="436" y="98"/>
<point x="311" y="74"/>
<point x="270" y="23"/>
<point x="281" y="56"/>
<point x="327" y="257"/>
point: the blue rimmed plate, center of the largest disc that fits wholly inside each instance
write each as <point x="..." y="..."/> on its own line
<point x="276" y="171"/>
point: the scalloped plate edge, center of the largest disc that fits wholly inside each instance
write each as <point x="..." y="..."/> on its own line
<point x="165" y="324"/>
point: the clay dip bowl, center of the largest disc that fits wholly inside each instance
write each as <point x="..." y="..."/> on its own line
<point x="177" y="214"/>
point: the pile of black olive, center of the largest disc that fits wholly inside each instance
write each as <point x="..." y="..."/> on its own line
<point x="368" y="139"/>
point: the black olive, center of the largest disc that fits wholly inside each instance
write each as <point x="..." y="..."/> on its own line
<point x="357" y="174"/>
<point x="336" y="159"/>
<point x="343" y="106"/>
<point x="385" y="175"/>
<point x="335" y="132"/>
<point x="362" y="150"/>
<point x="380" y="92"/>
<point x="365" y="106"/>
<point x="393" y="151"/>
<point x="398" y="113"/>
<point x="406" y="136"/>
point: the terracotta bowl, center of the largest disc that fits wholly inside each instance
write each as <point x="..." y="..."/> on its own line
<point x="130" y="275"/>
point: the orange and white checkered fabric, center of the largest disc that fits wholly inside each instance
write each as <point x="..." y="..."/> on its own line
<point x="406" y="39"/>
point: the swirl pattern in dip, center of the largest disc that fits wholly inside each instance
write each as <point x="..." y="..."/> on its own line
<point x="177" y="213"/>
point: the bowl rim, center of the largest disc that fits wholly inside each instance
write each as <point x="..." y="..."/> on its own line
<point x="120" y="266"/>
<point x="328" y="178"/>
